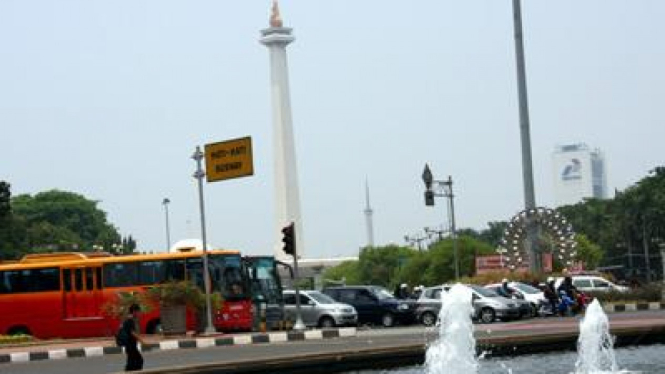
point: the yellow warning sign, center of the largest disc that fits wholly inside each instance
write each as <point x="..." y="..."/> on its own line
<point x="229" y="159"/>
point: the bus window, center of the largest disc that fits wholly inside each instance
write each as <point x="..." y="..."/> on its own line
<point x="174" y="270"/>
<point x="265" y="280"/>
<point x="29" y="280"/>
<point x="232" y="284"/>
<point x="4" y="282"/>
<point x="98" y="283"/>
<point x="67" y="279"/>
<point x="47" y="279"/>
<point x="89" y="282"/>
<point x="78" y="279"/>
<point x="195" y="271"/>
<point x="151" y="272"/>
<point x="120" y="275"/>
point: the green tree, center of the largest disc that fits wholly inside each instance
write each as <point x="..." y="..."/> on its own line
<point x="588" y="252"/>
<point x="346" y="272"/>
<point x="61" y="221"/>
<point x="494" y="233"/>
<point x="392" y="265"/>
<point x="381" y="265"/>
<point x="630" y="223"/>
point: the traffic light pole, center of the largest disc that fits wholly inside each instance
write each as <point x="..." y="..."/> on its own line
<point x="436" y="188"/>
<point x="289" y="240"/>
<point x="299" y="323"/>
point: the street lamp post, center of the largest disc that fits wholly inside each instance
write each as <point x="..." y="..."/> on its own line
<point x="435" y="188"/>
<point x="166" y="203"/>
<point x="535" y="264"/>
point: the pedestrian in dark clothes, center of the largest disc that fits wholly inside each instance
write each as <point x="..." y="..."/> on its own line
<point x="551" y="296"/>
<point x="131" y="327"/>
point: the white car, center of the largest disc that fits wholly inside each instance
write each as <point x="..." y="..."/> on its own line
<point x="592" y="283"/>
<point x="525" y="292"/>
<point x="317" y="309"/>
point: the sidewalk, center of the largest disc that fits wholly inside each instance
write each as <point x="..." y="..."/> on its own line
<point x="56" y="350"/>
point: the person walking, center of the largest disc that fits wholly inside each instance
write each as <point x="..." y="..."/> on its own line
<point x="132" y="332"/>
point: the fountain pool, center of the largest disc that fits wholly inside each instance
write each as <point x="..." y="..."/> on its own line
<point x="643" y="360"/>
<point x="454" y="350"/>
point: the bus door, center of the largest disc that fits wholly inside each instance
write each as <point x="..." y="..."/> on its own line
<point x="266" y="288"/>
<point x="82" y="292"/>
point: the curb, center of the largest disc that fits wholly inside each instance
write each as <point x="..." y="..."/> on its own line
<point x="632" y="307"/>
<point x="261" y="338"/>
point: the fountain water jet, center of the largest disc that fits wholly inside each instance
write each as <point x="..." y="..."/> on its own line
<point x="595" y="346"/>
<point x="454" y="351"/>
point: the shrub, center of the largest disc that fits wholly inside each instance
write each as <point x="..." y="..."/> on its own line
<point x="181" y="293"/>
<point x="648" y="293"/>
<point x="119" y="307"/>
<point x="15" y="339"/>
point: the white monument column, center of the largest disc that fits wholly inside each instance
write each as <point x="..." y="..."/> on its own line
<point x="287" y="195"/>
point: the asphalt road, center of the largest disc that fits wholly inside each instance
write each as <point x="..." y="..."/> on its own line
<point x="370" y="338"/>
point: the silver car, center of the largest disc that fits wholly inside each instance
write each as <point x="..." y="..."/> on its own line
<point x="487" y="305"/>
<point x="319" y="310"/>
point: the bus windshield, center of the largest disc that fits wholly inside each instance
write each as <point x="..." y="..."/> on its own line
<point x="227" y="276"/>
<point x="266" y="286"/>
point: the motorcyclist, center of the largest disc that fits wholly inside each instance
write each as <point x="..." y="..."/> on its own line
<point x="568" y="289"/>
<point x="504" y="290"/>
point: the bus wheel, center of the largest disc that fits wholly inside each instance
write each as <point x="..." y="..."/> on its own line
<point x="19" y="330"/>
<point x="154" y="327"/>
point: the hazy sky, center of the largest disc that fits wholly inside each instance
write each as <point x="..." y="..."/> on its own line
<point x="110" y="98"/>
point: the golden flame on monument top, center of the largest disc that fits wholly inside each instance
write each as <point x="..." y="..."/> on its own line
<point x="275" y="17"/>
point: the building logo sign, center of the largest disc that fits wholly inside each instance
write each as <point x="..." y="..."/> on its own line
<point x="572" y="170"/>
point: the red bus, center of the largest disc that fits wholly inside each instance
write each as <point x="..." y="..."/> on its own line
<point x="61" y="294"/>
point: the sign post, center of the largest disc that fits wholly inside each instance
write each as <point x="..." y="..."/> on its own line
<point x="223" y="160"/>
<point x="199" y="174"/>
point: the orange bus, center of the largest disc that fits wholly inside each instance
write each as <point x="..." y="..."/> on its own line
<point x="61" y="294"/>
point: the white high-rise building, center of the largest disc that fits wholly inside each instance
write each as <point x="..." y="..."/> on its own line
<point x="579" y="173"/>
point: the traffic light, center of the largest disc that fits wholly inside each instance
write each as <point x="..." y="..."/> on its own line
<point x="289" y="239"/>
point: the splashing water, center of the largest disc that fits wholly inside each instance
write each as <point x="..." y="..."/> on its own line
<point x="454" y="352"/>
<point x="595" y="345"/>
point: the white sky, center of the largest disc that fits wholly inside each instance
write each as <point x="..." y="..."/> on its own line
<point x="110" y="98"/>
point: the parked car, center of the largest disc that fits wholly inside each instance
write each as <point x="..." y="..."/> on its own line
<point x="374" y="304"/>
<point x="487" y="305"/>
<point x="592" y="283"/>
<point x="317" y="309"/>
<point x="535" y="299"/>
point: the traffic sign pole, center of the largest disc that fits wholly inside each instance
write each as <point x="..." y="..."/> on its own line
<point x="199" y="175"/>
